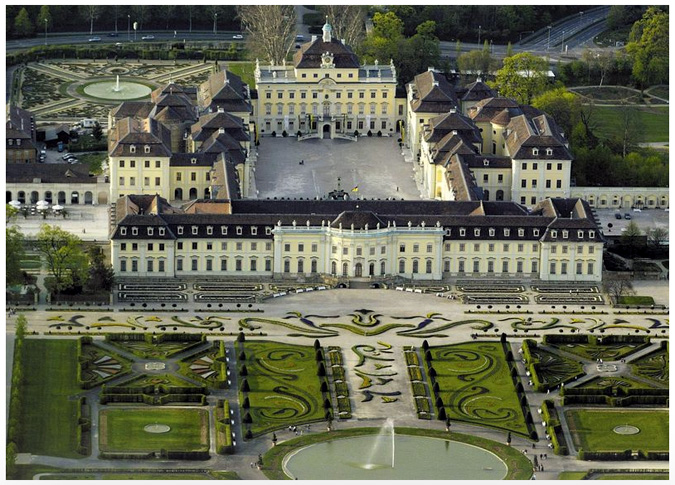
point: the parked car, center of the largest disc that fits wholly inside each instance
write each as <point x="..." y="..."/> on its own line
<point x="148" y="37"/>
<point x="617" y="215"/>
<point x="627" y="216"/>
<point x="113" y="34"/>
<point x="67" y="156"/>
<point x="238" y="36"/>
<point x="73" y="160"/>
<point x="118" y="44"/>
<point x="94" y="39"/>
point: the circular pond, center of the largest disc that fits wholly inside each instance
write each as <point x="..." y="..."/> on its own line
<point x="157" y="428"/>
<point x="415" y="458"/>
<point x="109" y="90"/>
<point x="626" y="429"/>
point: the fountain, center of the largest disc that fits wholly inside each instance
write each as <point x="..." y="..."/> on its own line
<point x="117" y="87"/>
<point x="386" y="431"/>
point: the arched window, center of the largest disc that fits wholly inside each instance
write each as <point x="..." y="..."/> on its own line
<point x="486" y="195"/>
<point x="500" y="195"/>
<point x="428" y="266"/>
<point x="401" y="266"/>
<point x="416" y="266"/>
<point x="345" y="269"/>
<point x="371" y="269"/>
<point x="301" y="265"/>
<point x="383" y="268"/>
<point x="193" y="193"/>
<point x="287" y="266"/>
<point x="178" y="194"/>
<point x="333" y="268"/>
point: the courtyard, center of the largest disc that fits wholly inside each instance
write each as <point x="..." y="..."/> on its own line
<point x="373" y="164"/>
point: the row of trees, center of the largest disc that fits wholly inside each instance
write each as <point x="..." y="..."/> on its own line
<point x="70" y="266"/>
<point x="28" y="20"/>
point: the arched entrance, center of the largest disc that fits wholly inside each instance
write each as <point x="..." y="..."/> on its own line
<point x="326" y="131"/>
<point x="61" y="199"/>
<point x="21" y="197"/>
<point x="9" y="197"/>
<point x="371" y="269"/>
<point x="358" y="270"/>
<point x="88" y="198"/>
<point x="193" y="193"/>
<point x="103" y="197"/>
<point x="48" y="196"/>
<point x="34" y="197"/>
<point x="178" y="194"/>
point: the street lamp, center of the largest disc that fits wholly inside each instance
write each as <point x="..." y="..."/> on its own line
<point x="548" y="45"/>
<point x="479" y="35"/>
<point x="215" y="23"/>
<point x="129" y="28"/>
<point x="46" y="21"/>
<point x="562" y="45"/>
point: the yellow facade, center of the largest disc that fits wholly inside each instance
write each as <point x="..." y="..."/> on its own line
<point x="139" y="175"/>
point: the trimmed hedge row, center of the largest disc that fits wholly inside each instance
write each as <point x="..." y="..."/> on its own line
<point x="224" y="442"/>
<point x="344" y="410"/>
<point x="82" y="430"/>
<point x="622" y="455"/>
<point x="554" y="428"/>
<point x="152" y="400"/>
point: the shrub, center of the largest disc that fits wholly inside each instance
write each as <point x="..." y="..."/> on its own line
<point x="370" y="133"/>
<point x="241" y="337"/>
<point x="274" y="134"/>
<point x="441" y="414"/>
<point x="298" y="134"/>
<point x="284" y="133"/>
<point x="244" y="386"/>
<point x="244" y="371"/>
<point x="322" y="370"/>
<point x="379" y="133"/>
<point x="247" y="418"/>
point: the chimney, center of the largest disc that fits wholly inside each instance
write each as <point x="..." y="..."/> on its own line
<point x="221" y="130"/>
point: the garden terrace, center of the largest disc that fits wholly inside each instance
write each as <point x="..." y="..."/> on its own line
<point x="571" y="299"/>
<point x="224" y="436"/>
<point x="495" y="299"/>
<point x="122" y="432"/>
<point x="480" y="288"/>
<point x="476" y="383"/>
<point x="549" y="415"/>
<point x="337" y="373"/>
<point x="565" y="288"/>
<point x="151" y="297"/>
<point x="153" y="287"/>
<point x="208" y="366"/>
<point x="654" y="366"/>
<point x="593" y="432"/>
<point x="280" y="385"/>
<point x="154" y="390"/>
<point x="98" y="365"/>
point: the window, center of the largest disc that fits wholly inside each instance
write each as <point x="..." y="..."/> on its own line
<point x="507" y="232"/>
<point x="121" y="181"/>
<point x="313" y="266"/>
<point x="268" y="95"/>
<point x="121" y="162"/>
<point x="519" y="266"/>
<point x="535" y="232"/>
<point x="359" y="251"/>
<point x="161" y="246"/>
<point x="209" y="246"/>
<point x="123" y="265"/>
<point x="552" y="268"/>
<point x="401" y="248"/>
<point x="521" y="232"/>
<point x="549" y="151"/>
<point x="237" y="265"/>
<point x="134" y="247"/>
<point x="383" y="250"/>
<point x="280" y="95"/>
<point x="132" y="149"/>
<point x="194" y="246"/>
<point x="462" y="247"/>
<point x="301" y="248"/>
<point x="485" y="177"/>
<point x="565" y="233"/>
<point x="193" y="176"/>
<point x="491" y="248"/>
<point x="564" y="249"/>
<point x="268" y="265"/>
<point x="534" y="166"/>
<point x="151" y="246"/>
<point x="147" y="164"/>
<point x="362" y="95"/>
<point x="476" y="232"/>
<point x="524" y="165"/>
<point x="462" y="231"/>
<point x="430" y="248"/>
<point x="579" y="267"/>
<point x="158" y="164"/>
<point x="476" y="248"/>
<point x="554" y="234"/>
<point x="132" y="163"/>
<point x="179" y="264"/>
<point x="491" y="266"/>
<point x="345" y="251"/>
<point x="591" y="234"/>
<point x="563" y="268"/>
<point x="491" y="232"/>
<point x="146" y="181"/>
<point x="522" y="200"/>
<point x="523" y="183"/>
<point x="254" y="265"/>
<point x="416" y="248"/>
<point x="548" y="184"/>
<point x="401" y="266"/>
<point x="533" y="200"/>
<point x="476" y="266"/>
<point x="591" y="249"/>
<point x="161" y="266"/>
<point x="554" y="249"/>
<point x="446" y="266"/>
<point x="209" y="264"/>
<point x="254" y="246"/>
<point x="506" y="248"/>
<point x="291" y="95"/>
<point x="371" y="251"/>
<point x="505" y="266"/>
<point x="180" y="246"/>
<point x="548" y="165"/>
<point x="157" y="181"/>
<point x="415" y="266"/>
<point x="558" y="184"/>
<point x="134" y="265"/>
<point x="535" y="266"/>
<point x="590" y="268"/>
<point x="223" y="265"/>
<point x="240" y="230"/>
<point x="560" y="166"/>
<point x="460" y="266"/>
<point x="134" y="231"/>
<point x="428" y="266"/>
<point x="268" y="246"/>
<point x="521" y="247"/>
<point x="500" y="178"/>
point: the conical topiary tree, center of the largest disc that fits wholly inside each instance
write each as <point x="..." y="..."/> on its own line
<point x="322" y="370"/>
<point x="242" y="356"/>
<point x="241" y="337"/>
<point x="243" y="371"/>
<point x="246" y="404"/>
<point x="317" y="344"/>
<point x="244" y="386"/>
<point x="441" y="414"/>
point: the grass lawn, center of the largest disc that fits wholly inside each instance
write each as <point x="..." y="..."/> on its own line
<point x="244" y="70"/>
<point x="654" y="122"/>
<point x="592" y="430"/>
<point x="475" y="385"/>
<point x="661" y="92"/>
<point x="285" y="387"/>
<point x="48" y="424"/>
<point x="632" y="476"/>
<point x="94" y="160"/>
<point x="636" y="300"/>
<point x="122" y="429"/>
<point x="143" y="476"/>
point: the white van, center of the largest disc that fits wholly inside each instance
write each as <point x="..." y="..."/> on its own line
<point x="87" y="123"/>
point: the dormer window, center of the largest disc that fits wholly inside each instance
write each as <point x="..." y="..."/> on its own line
<point x="491" y="231"/>
<point x="486" y="163"/>
<point x="193" y="161"/>
<point x="591" y="234"/>
<point x="535" y="232"/>
<point x="268" y="231"/>
<point x="240" y="230"/>
<point x="195" y="230"/>
<point x="10" y="141"/>
<point x="580" y="234"/>
<point x="18" y="141"/>
<point x="123" y="231"/>
<point x="161" y="231"/>
<point x="462" y="231"/>
<point x="507" y="232"/>
<point x="223" y="230"/>
<point x="180" y="229"/>
<point x="554" y="234"/>
<point x="565" y="234"/>
<point x="521" y="232"/>
<point x="150" y="231"/>
<point x="549" y="151"/>
<point x="132" y="148"/>
<point x="209" y="230"/>
<point x="146" y="148"/>
<point x="535" y="151"/>
<point x="476" y="232"/>
<point x="134" y="231"/>
<point x="254" y="231"/>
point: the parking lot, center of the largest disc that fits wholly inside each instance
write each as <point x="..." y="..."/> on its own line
<point x="646" y="219"/>
<point x="374" y="165"/>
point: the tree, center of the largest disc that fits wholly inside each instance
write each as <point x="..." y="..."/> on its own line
<point x="476" y="62"/>
<point x="92" y="12"/>
<point x="348" y="22"/>
<point x="632" y="237"/>
<point x="272" y="29"/>
<point x="562" y="105"/>
<point x="97" y="131"/>
<point x="617" y="285"/>
<point x="23" y="27"/>
<point x="509" y="50"/>
<point x="383" y="42"/>
<point x="631" y="130"/>
<point x="648" y="45"/>
<point x="10" y="212"/>
<point x="523" y="77"/>
<point x="419" y="52"/>
<point x="101" y="274"/>
<point x="42" y="16"/>
<point x="14" y="253"/>
<point x="656" y="236"/>
<point x="616" y="17"/>
<point x="62" y="254"/>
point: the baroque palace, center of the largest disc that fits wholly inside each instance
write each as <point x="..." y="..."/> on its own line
<point x="497" y="175"/>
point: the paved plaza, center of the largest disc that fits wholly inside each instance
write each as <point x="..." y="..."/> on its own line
<point x="375" y="165"/>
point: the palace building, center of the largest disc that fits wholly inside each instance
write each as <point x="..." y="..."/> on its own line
<point x="327" y="93"/>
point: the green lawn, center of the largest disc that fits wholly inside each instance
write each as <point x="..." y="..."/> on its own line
<point x="592" y="430"/>
<point x="48" y="417"/>
<point x="632" y="476"/>
<point x="122" y="429"/>
<point x="572" y="475"/>
<point x="661" y="92"/>
<point x="636" y="300"/>
<point x="476" y="386"/>
<point x="285" y="387"/>
<point x="94" y="160"/>
<point x="653" y="120"/>
<point x="143" y="476"/>
<point x="244" y="70"/>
